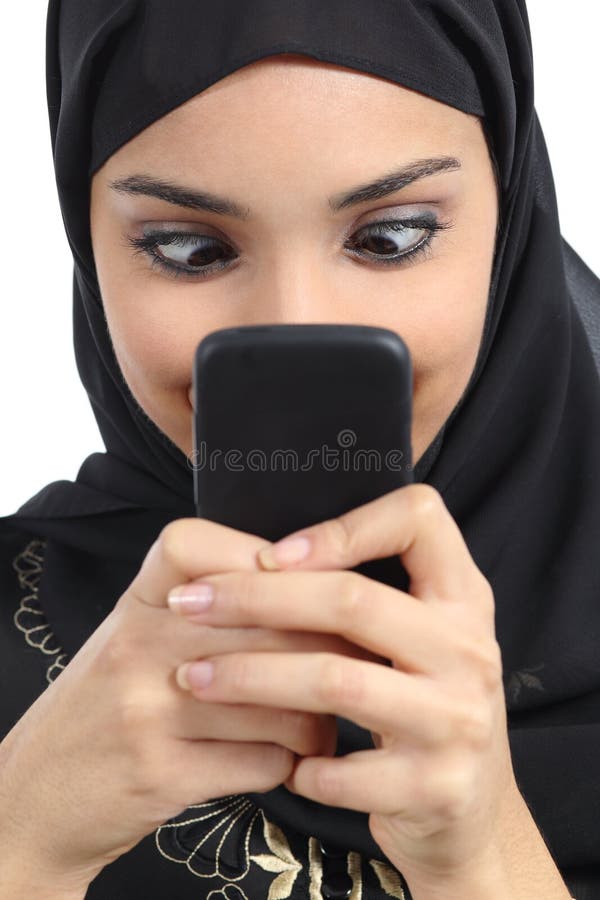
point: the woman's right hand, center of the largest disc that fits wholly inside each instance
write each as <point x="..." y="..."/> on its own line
<point x="114" y="747"/>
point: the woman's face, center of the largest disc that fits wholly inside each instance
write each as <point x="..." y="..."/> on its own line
<point x="284" y="228"/>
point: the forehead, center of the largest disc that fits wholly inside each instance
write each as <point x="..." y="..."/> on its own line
<point x="295" y="101"/>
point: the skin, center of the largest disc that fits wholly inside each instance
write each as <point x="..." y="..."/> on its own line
<point x="279" y="137"/>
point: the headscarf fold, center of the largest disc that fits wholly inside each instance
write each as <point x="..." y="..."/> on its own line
<point x="517" y="462"/>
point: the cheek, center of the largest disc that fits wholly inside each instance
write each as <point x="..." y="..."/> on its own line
<point x="446" y="334"/>
<point x="153" y="352"/>
<point x="452" y="343"/>
<point x="154" y="347"/>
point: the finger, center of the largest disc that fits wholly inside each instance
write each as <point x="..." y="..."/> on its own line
<point x="348" y="781"/>
<point x="306" y="734"/>
<point x="388" y="623"/>
<point x="412" y="521"/>
<point x="181" y="640"/>
<point x="234" y="768"/>
<point x="433" y="795"/>
<point x="373" y="696"/>
<point x="186" y="549"/>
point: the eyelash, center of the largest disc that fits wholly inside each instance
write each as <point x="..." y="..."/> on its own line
<point x="148" y="244"/>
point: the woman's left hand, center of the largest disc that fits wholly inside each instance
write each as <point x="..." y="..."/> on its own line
<point x="440" y="779"/>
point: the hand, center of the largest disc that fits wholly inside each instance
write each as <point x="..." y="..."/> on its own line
<point x="113" y="748"/>
<point x="441" y="773"/>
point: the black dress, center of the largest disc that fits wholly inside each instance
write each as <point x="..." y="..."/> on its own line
<point x="224" y="848"/>
<point x="518" y="470"/>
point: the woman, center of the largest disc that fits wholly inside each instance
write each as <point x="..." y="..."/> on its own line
<point x="381" y="165"/>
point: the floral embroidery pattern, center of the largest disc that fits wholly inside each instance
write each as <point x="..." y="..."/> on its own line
<point x="214" y="840"/>
<point x="220" y="848"/>
<point x="281" y="860"/>
<point x="30" y="618"/>
<point x="206" y="850"/>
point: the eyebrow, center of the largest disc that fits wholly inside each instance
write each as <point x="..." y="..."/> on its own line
<point x="178" y="195"/>
<point x="394" y="181"/>
<point x="190" y="198"/>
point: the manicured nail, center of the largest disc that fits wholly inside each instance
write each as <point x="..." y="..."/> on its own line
<point x="195" y="676"/>
<point x="289" y="550"/>
<point x="191" y="598"/>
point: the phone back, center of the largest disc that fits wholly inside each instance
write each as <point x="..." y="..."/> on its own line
<point x="298" y="423"/>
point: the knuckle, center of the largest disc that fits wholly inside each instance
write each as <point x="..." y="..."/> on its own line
<point x="119" y="655"/>
<point x="349" y="590"/>
<point x="487" y="661"/>
<point x="303" y="729"/>
<point x="260" y="769"/>
<point x="133" y="718"/>
<point x="447" y="790"/>
<point x="339" y="537"/>
<point x="240" y="676"/>
<point x="280" y="758"/>
<point x="341" y="685"/>
<point x="328" y="784"/>
<point x="244" y="594"/>
<point x="473" y="725"/>
<point x="485" y="593"/>
<point x="276" y="764"/>
<point x="173" y="539"/>
<point x="483" y="658"/>
<point x="425" y="500"/>
<point x="492" y="669"/>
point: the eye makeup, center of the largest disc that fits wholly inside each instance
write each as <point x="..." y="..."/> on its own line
<point x="193" y="255"/>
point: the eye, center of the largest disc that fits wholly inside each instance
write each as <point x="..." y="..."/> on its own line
<point x="194" y="256"/>
<point x="395" y="241"/>
<point x="183" y="254"/>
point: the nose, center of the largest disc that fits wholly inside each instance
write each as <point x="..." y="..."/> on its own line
<point x="299" y="287"/>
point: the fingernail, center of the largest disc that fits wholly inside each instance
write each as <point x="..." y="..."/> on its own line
<point x="289" y="550"/>
<point x="191" y="598"/>
<point x="195" y="676"/>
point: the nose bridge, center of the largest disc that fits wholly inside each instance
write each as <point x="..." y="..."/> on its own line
<point x="296" y="285"/>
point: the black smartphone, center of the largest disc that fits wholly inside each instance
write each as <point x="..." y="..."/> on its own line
<point x="294" y="424"/>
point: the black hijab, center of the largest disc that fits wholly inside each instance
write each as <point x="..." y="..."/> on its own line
<point x="517" y="461"/>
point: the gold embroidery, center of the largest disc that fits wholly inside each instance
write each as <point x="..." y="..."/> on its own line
<point x="228" y="811"/>
<point x="30" y="618"/>
<point x="389" y="879"/>
<point x="230" y="892"/>
<point x="225" y="813"/>
<point x="355" y="873"/>
<point x="315" y="862"/>
<point x="315" y="867"/>
<point x="282" y="861"/>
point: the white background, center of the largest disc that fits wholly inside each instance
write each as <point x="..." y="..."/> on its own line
<point x="48" y="427"/>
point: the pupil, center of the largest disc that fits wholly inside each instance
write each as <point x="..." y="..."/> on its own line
<point x="380" y="245"/>
<point x="204" y="256"/>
